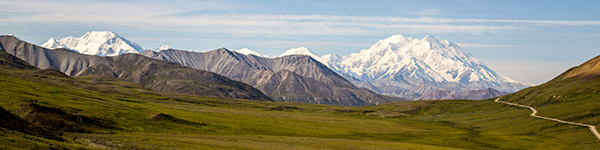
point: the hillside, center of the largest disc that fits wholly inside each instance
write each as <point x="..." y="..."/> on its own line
<point x="128" y="116"/>
<point x="571" y="96"/>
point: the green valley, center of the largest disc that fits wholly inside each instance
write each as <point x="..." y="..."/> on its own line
<point x="93" y="112"/>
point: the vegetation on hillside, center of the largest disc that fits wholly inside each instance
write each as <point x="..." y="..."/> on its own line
<point x="124" y="115"/>
<point x="45" y="109"/>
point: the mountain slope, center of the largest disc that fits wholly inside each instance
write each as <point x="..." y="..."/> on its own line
<point x="403" y="67"/>
<point x="151" y="73"/>
<point x="292" y="78"/>
<point x="571" y="96"/>
<point x="11" y="61"/>
<point x="102" y="43"/>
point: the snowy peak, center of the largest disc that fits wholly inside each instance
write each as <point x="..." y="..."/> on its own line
<point x="163" y="47"/>
<point x="298" y="51"/>
<point x="102" y="43"/>
<point x="429" y="38"/>
<point x="395" y="39"/>
<point x="301" y="51"/>
<point x="52" y="43"/>
<point x="408" y="64"/>
<point x="247" y="51"/>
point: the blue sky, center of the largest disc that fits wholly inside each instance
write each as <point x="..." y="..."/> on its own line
<point x="529" y="41"/>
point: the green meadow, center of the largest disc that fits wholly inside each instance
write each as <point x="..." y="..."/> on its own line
<point x="103" y="113"/>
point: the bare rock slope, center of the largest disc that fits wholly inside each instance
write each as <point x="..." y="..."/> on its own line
<point x="293" y="78"/>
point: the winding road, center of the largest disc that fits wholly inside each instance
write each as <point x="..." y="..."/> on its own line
<point x="591" y="127"/>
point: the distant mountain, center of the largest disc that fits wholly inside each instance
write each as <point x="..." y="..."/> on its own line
<point x="101" y="43"/>
<point x="470" y="94"/>
<point x="409" y="68"/>
<point x="150" y="73"/>
<point x="163" y="47"/>
<point x="396" y="66"/>
<point x="289" y="78"/>
<point x="247" y="51"/>
<point x="301" y="51"/>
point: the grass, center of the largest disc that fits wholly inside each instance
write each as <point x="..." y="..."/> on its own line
<point x="568" y="99"/>
<point x="220" y="123"/>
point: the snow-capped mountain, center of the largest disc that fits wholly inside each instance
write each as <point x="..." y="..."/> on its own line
<point x="409" y="67"/>
<point x="163" y="47"/>
<point x="301" y="51"/>
<point x="102" y="43"/>
<point x="247" y="51"/>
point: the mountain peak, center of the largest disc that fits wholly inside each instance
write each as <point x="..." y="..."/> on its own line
<point x="298" y="51"/>
<point x="164" y="47"/>
<point x="431" y="39"/>
<point x="301" y="51"/>
<point x="247" y="51"/>
<point x="102" y="33"/>
<point x="394" y="39"/>
<point x="102" y="43"/>
<point x="52" y="43"/>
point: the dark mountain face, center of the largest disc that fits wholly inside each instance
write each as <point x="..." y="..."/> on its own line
<point x="151" y="73"/>
<point x="11" y="61"/>
<point x="294" y="78"/>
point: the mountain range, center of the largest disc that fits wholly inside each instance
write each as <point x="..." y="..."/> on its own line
<point x="147" y="72"/>
<point x="60" y="99"/>
<point x="45" y="109"/>
<point x="397" y="66"/>
<point x="415" y="69"/>
<point x="290" y="78"/>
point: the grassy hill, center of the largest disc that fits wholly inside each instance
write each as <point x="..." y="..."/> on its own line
<point x="93" y="112"/>
<point x="573" y="96"/>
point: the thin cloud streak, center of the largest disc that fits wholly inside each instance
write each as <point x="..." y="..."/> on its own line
<point x="170" y="17"/>
<point x="467" y="45"/>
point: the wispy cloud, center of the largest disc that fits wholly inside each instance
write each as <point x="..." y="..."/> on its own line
<point x="154" y="15"/>
<point x="481" y="45"/>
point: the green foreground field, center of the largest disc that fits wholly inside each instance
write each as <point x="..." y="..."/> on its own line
<point x="111" y="114"/>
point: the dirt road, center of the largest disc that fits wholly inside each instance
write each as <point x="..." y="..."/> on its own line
<point x="591" y="127"/>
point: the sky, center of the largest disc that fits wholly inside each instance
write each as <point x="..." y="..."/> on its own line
<point x="529" y="41"/>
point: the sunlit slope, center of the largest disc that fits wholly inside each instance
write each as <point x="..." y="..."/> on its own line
<point x="573" y="96"/>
